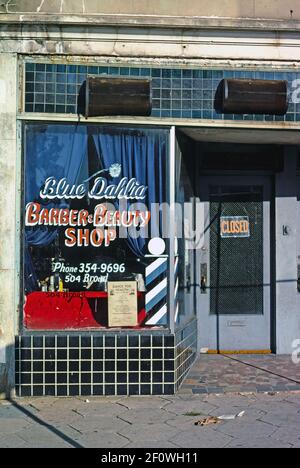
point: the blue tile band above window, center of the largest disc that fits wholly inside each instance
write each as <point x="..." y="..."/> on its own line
<point x="177" y="93"/>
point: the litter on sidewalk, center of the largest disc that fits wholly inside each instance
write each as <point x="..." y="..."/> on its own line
<point x="211" y="420"/>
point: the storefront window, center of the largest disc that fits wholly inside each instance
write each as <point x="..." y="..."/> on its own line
<point x="89" y="203"/>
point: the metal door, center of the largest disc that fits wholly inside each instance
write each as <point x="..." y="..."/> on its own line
<point x="234" y="264"/>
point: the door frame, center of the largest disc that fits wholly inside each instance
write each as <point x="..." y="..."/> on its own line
<point x="272" y="248"/>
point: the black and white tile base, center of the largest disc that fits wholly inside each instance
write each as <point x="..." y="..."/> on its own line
<point x="103" y="364"/>
<point x="185" y="351"/>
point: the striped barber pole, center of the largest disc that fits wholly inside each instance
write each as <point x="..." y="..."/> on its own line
<point x="176" y="301"/>
<point x="157" y="287"/>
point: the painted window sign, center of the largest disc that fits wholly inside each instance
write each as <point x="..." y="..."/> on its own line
<point x="103" y="220"/>
<point x="234" y="226"/>
<point x="87" y="216"/>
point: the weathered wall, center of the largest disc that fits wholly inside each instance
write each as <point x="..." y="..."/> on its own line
<point x="287" y="311"/>
<point x="274" y="9"/>
<point x="149" y="43"/>
<point x="8" y="93"/>
<point x="298" y="246"/>
<point x="138" y="44"/>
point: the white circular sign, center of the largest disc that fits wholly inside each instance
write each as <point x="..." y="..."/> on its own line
<point x="176" y="246"/>
<point x="157" y="246"/>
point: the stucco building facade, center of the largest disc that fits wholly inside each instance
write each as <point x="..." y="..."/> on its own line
<point x="231" y="291"/>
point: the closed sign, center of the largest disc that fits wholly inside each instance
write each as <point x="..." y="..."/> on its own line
<point x="235" y="226"/>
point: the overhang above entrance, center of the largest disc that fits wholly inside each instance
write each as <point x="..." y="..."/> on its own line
<point x="243" y="135"/>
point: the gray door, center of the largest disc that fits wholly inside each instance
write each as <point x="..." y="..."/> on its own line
<point x="234" y="271"/>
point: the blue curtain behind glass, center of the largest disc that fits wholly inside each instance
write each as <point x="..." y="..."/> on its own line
<point x="61" y="151"/>
<point x="51" y="151"/>
<point x="142" y="155"/>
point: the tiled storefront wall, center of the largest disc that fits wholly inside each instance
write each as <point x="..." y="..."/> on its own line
<point x="123" y="364"/>
<point x="177" y="93"/>
<point x="70" y="365"/>
<point x="185" y="351"/>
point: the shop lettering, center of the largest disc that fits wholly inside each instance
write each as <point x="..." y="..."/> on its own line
<point x="86" y="238"/>
<point x="61" y="189"/>
<point x="66" y="295"/>
<point x="235" y="227"/>
<point x="60" y="267"/>
<point x="104" y="217"/>
<point x="103" y="221"/>
<point x="38" y="216"/>
<point x="128" y="189"/>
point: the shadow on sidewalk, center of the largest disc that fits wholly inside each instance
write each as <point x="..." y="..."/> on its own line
<point x="42" y="423"/>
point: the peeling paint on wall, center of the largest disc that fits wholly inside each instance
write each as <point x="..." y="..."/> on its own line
<point x="40" y="7"/>
<point x="272" y="9"/>
<point x="2" y="353"/>
<point x="2" y="92"/>
<point x="2" y="348"/>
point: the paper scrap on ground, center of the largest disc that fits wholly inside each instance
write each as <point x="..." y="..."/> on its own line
<point x="230" y="417"/>
<point x="208" y="421"/>
<point x="217" y="419"/>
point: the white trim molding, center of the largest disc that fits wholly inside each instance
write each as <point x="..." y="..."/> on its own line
<point x="204" y="38"/>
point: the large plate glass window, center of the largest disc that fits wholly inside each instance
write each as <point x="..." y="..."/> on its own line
<point x="90" y="210"/>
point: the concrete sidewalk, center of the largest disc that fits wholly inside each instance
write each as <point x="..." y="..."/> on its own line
<point x="265" y="387"/>
<point x="270" y="420"/>
<point x="242" y="373"/>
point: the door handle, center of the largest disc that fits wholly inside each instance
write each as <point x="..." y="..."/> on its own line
<point x="188" y="285"/>
<point x="203" y="284"/>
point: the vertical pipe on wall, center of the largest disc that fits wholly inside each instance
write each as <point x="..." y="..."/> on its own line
<point x="171" y="188"/>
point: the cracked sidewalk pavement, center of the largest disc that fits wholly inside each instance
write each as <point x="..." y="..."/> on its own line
<point x="270" y="420"/>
